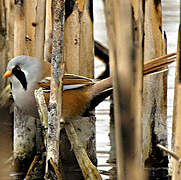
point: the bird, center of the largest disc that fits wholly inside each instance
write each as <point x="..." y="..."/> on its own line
<point x="80" y="94"/>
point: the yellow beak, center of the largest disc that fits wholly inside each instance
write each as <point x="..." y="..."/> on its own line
<point x="7" y="74"/>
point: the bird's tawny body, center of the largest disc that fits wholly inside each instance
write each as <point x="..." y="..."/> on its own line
<point x="74" y="102"/>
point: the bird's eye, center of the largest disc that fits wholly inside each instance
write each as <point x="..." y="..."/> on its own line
<point x="18" y="67"/>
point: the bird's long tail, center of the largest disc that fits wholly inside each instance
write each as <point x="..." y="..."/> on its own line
<point x="101" y="86"/>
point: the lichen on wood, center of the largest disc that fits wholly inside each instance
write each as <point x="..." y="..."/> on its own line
<point x="53" y="136"/>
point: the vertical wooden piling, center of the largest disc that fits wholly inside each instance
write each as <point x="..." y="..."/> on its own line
<point x="123" y="68"/>
<point x="19" y="28"/>
<point x="177" y="114"/>
<point x="23" y="144"/>
<point x="79" y="59"/>
<point x="154" y="93"/>
<point x="3" y="42"/>
<point x="30" y="21"/>
<point x="10" y="28"/>
<point x="40" y="29"/>
<point x="79" y="44"/>
<point x="55" y="104"/>
<point x="5" y="121"/>
<point x="48" y="31"/>
<point x="138" y="38"/>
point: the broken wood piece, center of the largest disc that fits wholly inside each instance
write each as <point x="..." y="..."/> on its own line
<point x="171" y="153"/>
<point x="56" y="170"/>
<point x="42" y="107"/>
<point x="88" y="169"/>
<point x="28" y="175"/>
<point x="101" y="52"/>
<point x="5" y="97"/>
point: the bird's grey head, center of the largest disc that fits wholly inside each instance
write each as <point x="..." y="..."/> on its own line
<point x="24" y="68"/>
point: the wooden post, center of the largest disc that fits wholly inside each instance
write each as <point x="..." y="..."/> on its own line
<point x="19" y="29"/>
<point x="30" y="25"/>
<point x="24" y="143"/>
<point x="3" y="43"/>
<point x="119" y="21"/>
<point x="6" y="52"/>
<point x="55" y="104"/>
<point x="10" y="27"/>
<point x="79" y="59"/>
<point x="79" y="44"/>
<point x="154" y="93"/>
<point x="137" y="43"/>
<point x="40" y="29"/>
<point x="48" y="31"/>
<point x="177" y="114"/>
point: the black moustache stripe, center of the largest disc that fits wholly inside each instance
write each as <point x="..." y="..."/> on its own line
<point x="20" y="76"/>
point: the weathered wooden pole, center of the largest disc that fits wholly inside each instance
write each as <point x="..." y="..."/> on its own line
<point x="40" y="29"/>
<point x="79" y="42"/>
<point x="6" y="52"/>
<point x="154" y="93"/>
<point x="48" y="31"/>
<point x="177" y="114"/>
<point x="30" y="25"/>
<point x="123" y="63"/>
<point x="3" y="42"/>
<point x="10" y="28"/>
<point x="138" y="32"/>
<point x="79" y="59"/>
<point x="23" y="144"/>
<point x="55" y="104"/>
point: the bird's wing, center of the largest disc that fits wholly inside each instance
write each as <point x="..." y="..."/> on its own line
<point x="70" y="81"/>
